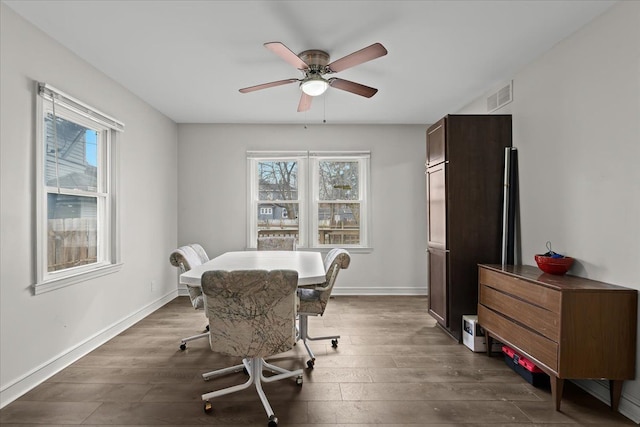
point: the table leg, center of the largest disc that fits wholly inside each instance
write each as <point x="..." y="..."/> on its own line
<point x="615" y="391"/>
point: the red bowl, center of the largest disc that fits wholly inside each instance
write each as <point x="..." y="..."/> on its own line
<point x="551" y="265"/>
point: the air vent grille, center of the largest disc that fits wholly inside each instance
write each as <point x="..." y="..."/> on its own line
<point x="500" y="98"/>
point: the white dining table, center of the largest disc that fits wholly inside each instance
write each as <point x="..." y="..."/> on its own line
<point x="309" y="265"/>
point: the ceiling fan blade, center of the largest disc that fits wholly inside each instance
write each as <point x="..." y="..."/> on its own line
<point x="353" y="87"/>
<point x="305" y="102"/>
<point x="267" y="85"/>
<point x="285" y="53"/>
<point x="374" y="51"/>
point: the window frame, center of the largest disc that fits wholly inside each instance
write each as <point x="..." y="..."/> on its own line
<point x="253" y="158"/>
<point x="308" y="194"/>
<point x="364" y="160"/>
<point x="108" y="242"/>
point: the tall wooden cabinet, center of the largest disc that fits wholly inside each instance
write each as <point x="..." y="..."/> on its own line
<point x="465" y="160"/>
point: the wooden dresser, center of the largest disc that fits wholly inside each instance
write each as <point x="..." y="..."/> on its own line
<point x="571" y="327"/>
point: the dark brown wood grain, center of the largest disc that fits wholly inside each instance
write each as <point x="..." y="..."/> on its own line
<point x="594" y="329"/>
<point x="465" y="160"/>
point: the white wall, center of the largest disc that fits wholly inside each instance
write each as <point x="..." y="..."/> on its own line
<point x="576" y="122"/>
<point x="41" y="334"/>
<point x="212" y="194"/>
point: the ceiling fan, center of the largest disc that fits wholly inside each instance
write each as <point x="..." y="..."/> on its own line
<point x="315" y="64"/>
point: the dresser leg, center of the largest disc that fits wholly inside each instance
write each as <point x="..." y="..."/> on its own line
<point x="615" y="391"/>
<point x="557" y="385"/>
<point x="489" y="342"/>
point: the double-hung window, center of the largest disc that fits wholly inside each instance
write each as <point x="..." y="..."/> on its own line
<point x="76" y="190"/>
<point x="339" y="199"/>
<point x="277" y="186"/>
<point x="321" y="198"/>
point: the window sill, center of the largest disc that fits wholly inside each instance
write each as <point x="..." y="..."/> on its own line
<point x="53" y="284"/>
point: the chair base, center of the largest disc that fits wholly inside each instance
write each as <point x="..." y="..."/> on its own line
<point x="184" y="341"/>
<point x="303" y="334"/>
<point x="255" y="367"/>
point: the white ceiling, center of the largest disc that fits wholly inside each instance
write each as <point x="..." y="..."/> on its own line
<point x="189" y="58"/>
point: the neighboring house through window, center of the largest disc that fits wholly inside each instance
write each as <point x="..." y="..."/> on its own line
<point x="321" y="198"/>
<point x="77" y="217"/>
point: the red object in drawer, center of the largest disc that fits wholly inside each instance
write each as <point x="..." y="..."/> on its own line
<point x="521" y="360"/>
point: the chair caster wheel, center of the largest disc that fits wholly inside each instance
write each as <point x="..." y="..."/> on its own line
<point x="299" y="380"/>
<point x="183" y="346"/>
<point x="273" y="421"/>
<point x="208" y="408"/>
<point x="310" y="364"/>
<point x="334" y="343"/>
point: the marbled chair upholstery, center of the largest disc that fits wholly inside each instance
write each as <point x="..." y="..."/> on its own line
<point x="251" y="315"/>
<point x="185" y="258"/>
<point x="253" y="310"/>
<point x="277" y="243"/>
<point x="313" y="300"/>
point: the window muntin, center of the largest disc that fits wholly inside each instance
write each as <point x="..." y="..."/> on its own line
<point x="77" y="226"/>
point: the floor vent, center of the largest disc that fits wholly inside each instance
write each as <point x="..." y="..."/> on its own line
<point x="500" y="98"/>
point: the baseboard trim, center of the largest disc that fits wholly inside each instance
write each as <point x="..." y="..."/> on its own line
<point x="399" y="291"/>
<point x="629" y="405"/>
<point x="38" y="375"/>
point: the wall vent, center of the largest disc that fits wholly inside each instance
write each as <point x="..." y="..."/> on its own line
<point x="500" y="98"/>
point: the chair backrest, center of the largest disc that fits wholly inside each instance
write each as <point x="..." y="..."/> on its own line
<point x="335" y="260"/>
<point x="251" y="312"/>
<point x="314" y="301"/>
<point x="185" y="258"/>
<point x="277" y="243"/>
<point x="202" y="254"/>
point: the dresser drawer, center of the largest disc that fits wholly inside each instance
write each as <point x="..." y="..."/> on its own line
<point x="543" y="350"/>
<point x="539" y="319"/>
<point x="530" y="292"/>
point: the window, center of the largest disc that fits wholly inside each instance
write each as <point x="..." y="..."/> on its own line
<point x="335" y="198"/>
<point x="276" y="185"/>
<point x="77" y="220"/>
<point x="339" y="202"/>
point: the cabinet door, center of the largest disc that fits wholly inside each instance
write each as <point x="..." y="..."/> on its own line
<point x="436" y="144"/>
<point x="438" y="288"/>
<point x="437" y="206"/>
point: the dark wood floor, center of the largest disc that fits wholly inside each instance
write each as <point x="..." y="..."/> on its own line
<point x="393" y="367"/>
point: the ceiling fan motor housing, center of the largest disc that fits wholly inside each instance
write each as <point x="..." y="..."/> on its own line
<point x="316" y="59"/>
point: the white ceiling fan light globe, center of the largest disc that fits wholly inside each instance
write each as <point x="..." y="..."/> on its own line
<point x="315" y="86"/>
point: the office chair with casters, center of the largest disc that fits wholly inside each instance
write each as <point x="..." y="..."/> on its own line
<point x="185" y="258"/>
<point x="277" y="243"/>
<point x="254" y="316"/>
<point x="313" y="300"/>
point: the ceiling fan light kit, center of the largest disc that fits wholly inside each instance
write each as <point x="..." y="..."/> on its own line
<point x="315" y="64"/>
<point x="314" y="85"/>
